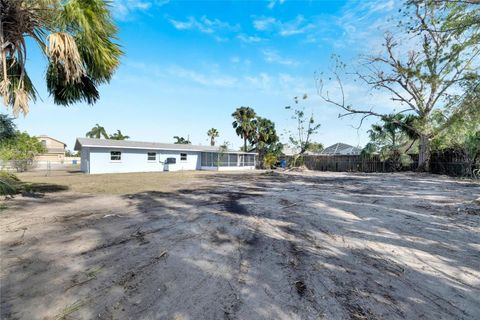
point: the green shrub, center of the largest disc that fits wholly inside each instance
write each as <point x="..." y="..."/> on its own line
<point x="9" y="183"/>
<point x="269" y="161"/>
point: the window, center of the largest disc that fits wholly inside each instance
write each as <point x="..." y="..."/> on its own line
<point x="223" y="160"/>
<point x="44" y="143"/>
<point x="183" y="157"/>
<point x="249" y="160"/>
<point x="171" y="161"/>
<point x="232" y="160"/>
<point x="209" y="159"/>
<point x="151" y="156"/>
<point x="115" y="155"/>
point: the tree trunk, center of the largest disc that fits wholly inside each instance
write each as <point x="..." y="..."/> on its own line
<point x="244" y="144"/>
<point x="424" y="154"/>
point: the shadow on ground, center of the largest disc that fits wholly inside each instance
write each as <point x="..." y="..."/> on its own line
<point x="248" y="247"/>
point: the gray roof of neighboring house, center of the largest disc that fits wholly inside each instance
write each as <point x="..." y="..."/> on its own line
<point x="130" y="144"/>
<point x="341" y="148"/>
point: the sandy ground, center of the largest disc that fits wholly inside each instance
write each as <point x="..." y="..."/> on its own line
<point x="248" y="246"/>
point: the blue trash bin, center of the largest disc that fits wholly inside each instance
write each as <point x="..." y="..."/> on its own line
<point x="283" y="163"/>
<point x="74" y="161"/>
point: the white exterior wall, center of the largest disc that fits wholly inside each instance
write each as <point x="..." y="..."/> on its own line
<point x="135" y="160"/>
<point x="85" y="160"/>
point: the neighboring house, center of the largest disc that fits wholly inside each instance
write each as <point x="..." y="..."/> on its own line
<point x="289" y="151"/>
<point x="341" y="149"/>
<point x="112" y="156"/>
<point x="55" y="149"/>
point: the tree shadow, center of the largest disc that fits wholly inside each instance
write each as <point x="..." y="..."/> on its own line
<point x="244" y="247"/>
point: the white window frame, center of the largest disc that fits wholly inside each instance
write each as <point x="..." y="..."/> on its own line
<point x="181" y="157"/>
<point x="113" y="160"/>
<point x="148" y="156"/>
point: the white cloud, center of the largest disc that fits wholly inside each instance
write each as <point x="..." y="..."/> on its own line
<point x="384" y="6"/>
<point x="249" y="39"/>
<point x="204" y="25"/>
<point x="364" y="24"/>
<point x="123" y="9"/>
<point x="271" y="3"/>
<point x="209" y="80"/>
<point x="296" y="26"/>
<point x="272" y="56"/>
<point x="264" y="23"/>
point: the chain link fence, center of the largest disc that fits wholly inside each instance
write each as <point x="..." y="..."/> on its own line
<point x="40" y="168"/>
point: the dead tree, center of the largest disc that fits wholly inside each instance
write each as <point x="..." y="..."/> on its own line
<point x="428" y="80"/>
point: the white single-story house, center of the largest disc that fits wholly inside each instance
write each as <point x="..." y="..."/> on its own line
<point x="115" y="156"/>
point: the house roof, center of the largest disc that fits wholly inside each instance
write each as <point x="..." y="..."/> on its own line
<point x="130" y="144"/>
<point x="45" y="136"/>
<point x="341" y="148"/>
<point x="289" y="151"/>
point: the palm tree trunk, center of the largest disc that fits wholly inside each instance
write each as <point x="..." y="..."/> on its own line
<point x="244" y="144"/>
<point x="4" y="60"/>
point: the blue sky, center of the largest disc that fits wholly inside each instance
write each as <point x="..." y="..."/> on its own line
<point x="189" y="64"/>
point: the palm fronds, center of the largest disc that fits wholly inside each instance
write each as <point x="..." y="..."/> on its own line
<point x="63" y="53"/>
<point x="76" y="36"/>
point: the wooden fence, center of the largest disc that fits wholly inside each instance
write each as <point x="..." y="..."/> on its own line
<point x="348" y="163"/>
<point x="442" y="163"/>
<point x="453" y="163"/>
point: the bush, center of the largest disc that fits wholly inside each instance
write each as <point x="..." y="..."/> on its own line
<point x="269" y="161"/>
<point x="9" y="183"/>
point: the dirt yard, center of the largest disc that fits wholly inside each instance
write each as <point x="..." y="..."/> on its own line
<point x="243" y="246"/>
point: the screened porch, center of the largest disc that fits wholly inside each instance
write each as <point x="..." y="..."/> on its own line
<point x="217" y="160"/>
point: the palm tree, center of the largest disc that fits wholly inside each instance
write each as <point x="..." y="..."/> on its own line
<point x="244" y="123"/>
<point x="118" y="136"/>
<point x="77" y="37"/>
<point x="212" y="133"/>
<point x="393" y="132"/>
<point x="392" y="139"/>
<point x="181" y="140"/>
<point x="265" y="138"/>
<point x="97" y="132"/>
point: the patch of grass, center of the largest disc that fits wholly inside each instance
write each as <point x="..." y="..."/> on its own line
<point x="118" y="183"/>
<point x="10" y="185"/>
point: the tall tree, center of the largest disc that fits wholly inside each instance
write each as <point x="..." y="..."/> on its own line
<point x="97" y="132"/>
<point x="181" y="140"/>
<point x="7" y="127"/>
<point x="306" y="127"/>
<point x="21" y="148"/>
<point x="118" y="136"/>
<point x="212" y="134"/>
<point x="265" y="139"/>
<point x="429" y="80"/>
<point x="244" y="124"/>
<point x="77" y="38"/>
